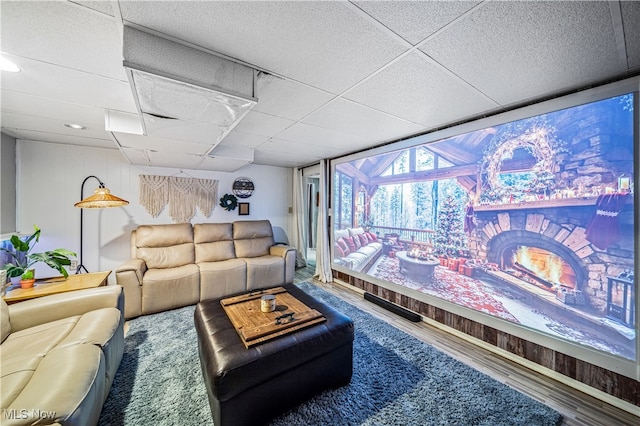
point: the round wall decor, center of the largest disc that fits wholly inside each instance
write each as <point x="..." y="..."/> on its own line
<point x="243" y="187"/>
<point x="229" y="202"/>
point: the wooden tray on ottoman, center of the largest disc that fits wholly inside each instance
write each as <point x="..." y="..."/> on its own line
<point x="254" y="326"/>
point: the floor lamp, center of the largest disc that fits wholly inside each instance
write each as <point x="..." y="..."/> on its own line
<point x="100" y="199"/>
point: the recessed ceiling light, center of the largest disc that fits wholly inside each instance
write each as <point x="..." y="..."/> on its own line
<point x="7" y="65"/>
<point x="75" y="126"/>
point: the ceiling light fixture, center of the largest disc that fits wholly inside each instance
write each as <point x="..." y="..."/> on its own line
<point x="7" y="65"/>
<point x="74" y="126"/>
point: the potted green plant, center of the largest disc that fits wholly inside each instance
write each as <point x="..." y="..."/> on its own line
<point x="22" y="260"/>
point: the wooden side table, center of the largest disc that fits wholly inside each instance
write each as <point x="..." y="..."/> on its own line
<point x="57" y="285"/>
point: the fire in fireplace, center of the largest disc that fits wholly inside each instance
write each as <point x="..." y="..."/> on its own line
<point x="540" y="267"/>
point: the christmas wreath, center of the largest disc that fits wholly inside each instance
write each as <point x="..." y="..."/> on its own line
<point x="229" y="202"/>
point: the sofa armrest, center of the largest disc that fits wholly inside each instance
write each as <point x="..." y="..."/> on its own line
<point x="59" y="306"/>
<point x="129" y="275"/>
<point x="289" y="254"/>
<point x="131" y="272"/>
<point x="280" y="250"/>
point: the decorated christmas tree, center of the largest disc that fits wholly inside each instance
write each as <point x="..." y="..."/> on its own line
<point x="450" y="237"/>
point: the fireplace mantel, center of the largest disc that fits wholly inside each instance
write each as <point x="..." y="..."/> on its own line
<point x="539" y="204"/>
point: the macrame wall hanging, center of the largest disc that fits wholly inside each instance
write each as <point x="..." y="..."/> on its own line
<point x="183" y="194"/>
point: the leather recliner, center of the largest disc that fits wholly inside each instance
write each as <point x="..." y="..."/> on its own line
<point x="60" y="354"/>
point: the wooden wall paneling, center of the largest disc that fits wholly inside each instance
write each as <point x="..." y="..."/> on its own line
<point x="49" y="177"/>
<point x="599" y="378"/>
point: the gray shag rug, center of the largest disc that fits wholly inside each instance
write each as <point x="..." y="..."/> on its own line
<point x="397" y="380"/>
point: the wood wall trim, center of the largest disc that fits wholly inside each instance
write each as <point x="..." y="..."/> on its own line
<point x="601" y="379"/>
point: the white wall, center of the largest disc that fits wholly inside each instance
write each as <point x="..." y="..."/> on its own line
<point x="49" y="177"/>
<point x="8" y="184"/>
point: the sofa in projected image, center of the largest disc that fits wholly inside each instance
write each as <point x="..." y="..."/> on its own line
<point x="356" y="249"/>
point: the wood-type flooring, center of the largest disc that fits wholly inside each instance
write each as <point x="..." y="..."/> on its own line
<point x="576" y="407"/>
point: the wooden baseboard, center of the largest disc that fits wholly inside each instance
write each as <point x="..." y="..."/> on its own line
<point x="624" y="394"/>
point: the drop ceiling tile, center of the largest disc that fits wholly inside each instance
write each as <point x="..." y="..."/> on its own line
<point x="105" y="6"/>
<point x="164" y="145"/>
<point x="324" y="44"/>
<point x="415" y="20"/>
<point x="136" y="156"/>
<point x="349" y="117"/>
<point x="288" y="99"/>
<point x="257" y="123"/>
<point x="631" y="23"/>
<point x="543" y="47"/>
<point x="201" y="133"/>
<point x="222" y="164"/>
<point x="63" y="33"/>
<point x="68" y="85"/>
<point x="306" y="133"/>
<point x="43" y="125"/>
<point x="300" y="148"/>
<point x="416" y="89"/>
<point x="284" y="159"/>
<point x="236" y="138"/>
<point x="174" y="160"/>
<point x="32" y="135"/>
<point x="66" y="112"/>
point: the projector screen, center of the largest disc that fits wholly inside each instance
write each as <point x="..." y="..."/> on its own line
<point x="530" y="221"/>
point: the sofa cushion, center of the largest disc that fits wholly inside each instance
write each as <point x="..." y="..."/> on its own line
<point x="167" y="257"/>
<point x="218" y="279"/>
<point x="95" y="327"/>
<point x="264" y="271"/>
<point x="23" y="351"/>
<point x="343" y="245"/>
<point x="356" y="231"/>
<point x="207" y="232"/>
<point x="26" y="352"/>
<point x="170" y="288"/>
<point x="68" y="383"/>
<point x="356" y="242"/>
<point x="213" y="242"/>
<point x="164" y="235"/>
<point x="252" y="238"/>
<point x="358" y="260"/>
<point x="4" y="317"/>
<point x="100" y="327"/>
<point x="165" y="246"/>
<point x="350" y="244"/>
<point x="376" y="245"/>
<point x="341" y="233"/>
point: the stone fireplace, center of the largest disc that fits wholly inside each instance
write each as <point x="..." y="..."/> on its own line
<point x="545" y="244"/>
<point x="538" y="259"/>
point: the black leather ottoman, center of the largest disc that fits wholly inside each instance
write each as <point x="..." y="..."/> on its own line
<point x="252" y="386"/>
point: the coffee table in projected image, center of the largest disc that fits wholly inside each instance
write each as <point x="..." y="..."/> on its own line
<point x="418" y="270"/>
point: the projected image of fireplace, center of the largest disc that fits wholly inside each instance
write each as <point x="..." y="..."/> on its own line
<point x="542" y="268"/>
<point x="531" y="221"/>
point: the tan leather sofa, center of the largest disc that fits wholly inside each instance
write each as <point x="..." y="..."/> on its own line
<point x="181" y="264"/>
<point x="59" y="355"/>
